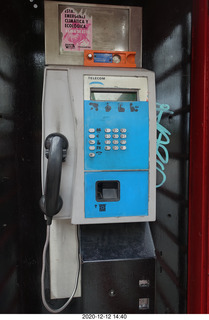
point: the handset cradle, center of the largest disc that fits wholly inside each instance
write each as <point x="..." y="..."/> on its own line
<point x="56" y="146"/>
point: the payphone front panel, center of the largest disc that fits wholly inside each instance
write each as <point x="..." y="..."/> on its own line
<point x="116" y="146"/>
<point x="109" y="119"/>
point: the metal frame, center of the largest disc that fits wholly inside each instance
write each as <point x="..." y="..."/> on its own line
<point x="198" y="264"/>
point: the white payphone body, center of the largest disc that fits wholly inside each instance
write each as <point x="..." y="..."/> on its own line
<point x="109" y="119"/>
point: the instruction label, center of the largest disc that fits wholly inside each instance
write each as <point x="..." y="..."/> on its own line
<point x="76" y="28"/>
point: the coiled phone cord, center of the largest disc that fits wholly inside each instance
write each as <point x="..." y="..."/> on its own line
<point x="43" y="276"/>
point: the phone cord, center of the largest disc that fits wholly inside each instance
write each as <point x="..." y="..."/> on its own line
<point x="43" y="278"/>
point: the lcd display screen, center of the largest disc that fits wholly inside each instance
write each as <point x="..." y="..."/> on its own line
<point x="113" y="95"/>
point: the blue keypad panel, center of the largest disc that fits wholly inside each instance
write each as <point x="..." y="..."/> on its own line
<point x="116" y="135"/>
<point x="133" y="194"/>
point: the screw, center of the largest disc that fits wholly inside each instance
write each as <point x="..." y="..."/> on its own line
<point x="112" y="293"/>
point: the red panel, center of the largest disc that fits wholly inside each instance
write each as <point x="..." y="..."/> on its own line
<point x="198" y="282"/>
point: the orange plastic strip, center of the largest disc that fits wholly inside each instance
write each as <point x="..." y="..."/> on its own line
<point x="119" y="59"/>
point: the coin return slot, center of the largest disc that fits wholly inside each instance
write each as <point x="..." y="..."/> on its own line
<point x="143" y="303"/>
<point x="107" y="191"/>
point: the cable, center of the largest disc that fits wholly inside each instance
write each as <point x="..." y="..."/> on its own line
<point x="43" y="275"/>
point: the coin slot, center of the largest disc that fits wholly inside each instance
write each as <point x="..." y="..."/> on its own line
<point x="107" y="191"/>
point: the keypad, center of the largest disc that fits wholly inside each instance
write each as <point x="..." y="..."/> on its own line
<point x="106" y="140"/>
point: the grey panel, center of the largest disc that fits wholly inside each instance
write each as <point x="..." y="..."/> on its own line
<point x="114" y="28"/>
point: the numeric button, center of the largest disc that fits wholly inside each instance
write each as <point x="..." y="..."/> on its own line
<point x="123" y="130"/>
<point x="91" y="130"/>
<point x="91" y="155"/>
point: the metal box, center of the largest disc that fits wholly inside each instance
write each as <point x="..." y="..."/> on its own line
<point x="118" y="269"/>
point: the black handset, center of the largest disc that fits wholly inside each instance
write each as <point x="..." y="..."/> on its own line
<point x="56" y="146"/>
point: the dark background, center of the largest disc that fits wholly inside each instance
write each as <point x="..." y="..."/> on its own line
<point x="166" y="51"/>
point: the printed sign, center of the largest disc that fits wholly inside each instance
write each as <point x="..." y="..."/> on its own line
<point x="76" y="28"/>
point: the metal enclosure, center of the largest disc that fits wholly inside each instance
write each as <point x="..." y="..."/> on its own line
<point x="113" y="28"/>
<point x="166" y="51"/>
<point x="118" y="280"/>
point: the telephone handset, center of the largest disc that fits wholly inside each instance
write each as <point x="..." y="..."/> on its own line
<point x="56" y="146"/>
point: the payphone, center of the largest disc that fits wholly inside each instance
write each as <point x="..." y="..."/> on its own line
<point x="98" y="156"/>
<point x="109" y="119"/>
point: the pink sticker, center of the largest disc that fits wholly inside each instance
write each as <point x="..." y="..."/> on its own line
<point x="76" y="28"/>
